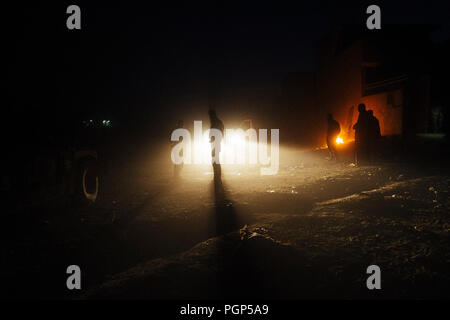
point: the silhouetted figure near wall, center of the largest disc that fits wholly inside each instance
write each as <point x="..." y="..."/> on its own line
<point x="333" y="131"/>
<point x="437" y="118"/>
<point x="216" y="123"/>
<point x="374" y="134"/>
<point x="361" y="128"/>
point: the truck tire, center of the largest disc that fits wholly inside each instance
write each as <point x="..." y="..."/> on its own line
<point x="88" y="181"/>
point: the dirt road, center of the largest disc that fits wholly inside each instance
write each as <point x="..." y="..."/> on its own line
<point x="310" y="231"/>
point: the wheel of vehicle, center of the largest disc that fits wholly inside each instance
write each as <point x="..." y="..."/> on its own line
<point x="88" y="181"/>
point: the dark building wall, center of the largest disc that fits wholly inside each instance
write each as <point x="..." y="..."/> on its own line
<point x="297" y="107"/>
<point x="388" y="71"/>
<point x="338" y="81"/>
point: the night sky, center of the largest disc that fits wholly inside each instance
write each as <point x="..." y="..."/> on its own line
<point x="151" y="62"/>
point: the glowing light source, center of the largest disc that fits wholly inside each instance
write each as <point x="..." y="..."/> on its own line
<point x="339" y="140"/>
<point x="233" y="145"/>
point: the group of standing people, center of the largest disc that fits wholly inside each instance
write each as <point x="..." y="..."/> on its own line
<point x="367" y="133"/>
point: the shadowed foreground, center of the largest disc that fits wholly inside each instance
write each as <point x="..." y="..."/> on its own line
<point x="311" y="231"/>
<point x="402" y="226"/>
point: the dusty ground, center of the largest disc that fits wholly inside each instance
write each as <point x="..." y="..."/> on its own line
<point x="309" y="232"/>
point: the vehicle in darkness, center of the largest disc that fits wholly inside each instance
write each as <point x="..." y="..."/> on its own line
<point x="56" y="163"/>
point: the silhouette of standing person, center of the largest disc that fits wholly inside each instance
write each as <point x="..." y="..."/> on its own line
<point x="373" y="135"/>
<point x="216" y="123"/>
<point x="437" y="118"/>
<point x="361" y="135"/>
<point x="333" y="131"/>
